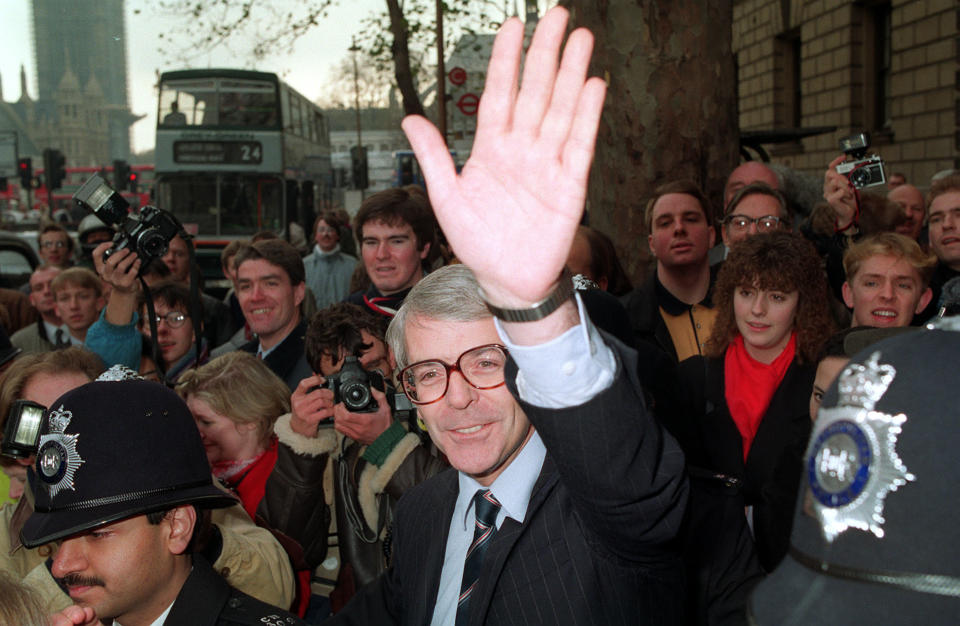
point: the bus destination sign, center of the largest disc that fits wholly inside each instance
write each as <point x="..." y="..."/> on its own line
<point x="218" y="152"/>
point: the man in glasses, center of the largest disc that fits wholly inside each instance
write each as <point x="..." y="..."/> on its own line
<point x="117" y="337"/>
<point x="56" y="246"/>
<point x="176" y="338"/>
<point x="566" y="492"/>
<point x="756" y="208"/>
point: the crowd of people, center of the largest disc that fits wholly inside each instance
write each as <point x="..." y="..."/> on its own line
<point x="468" y="424"/>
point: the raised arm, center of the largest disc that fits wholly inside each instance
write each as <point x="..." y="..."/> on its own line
<point x="513" y="211"/>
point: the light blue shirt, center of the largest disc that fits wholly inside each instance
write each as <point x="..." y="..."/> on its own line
<point x="567" y="371"/>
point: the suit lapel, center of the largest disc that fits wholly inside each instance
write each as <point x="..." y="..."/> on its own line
<point x="502" y="544"/>
<point x="434" y="528"/>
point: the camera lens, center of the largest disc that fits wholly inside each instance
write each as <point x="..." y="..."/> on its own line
<point x="860" y="177"/>
<point x="355" y="396"/>
<point x="151" y="244"/>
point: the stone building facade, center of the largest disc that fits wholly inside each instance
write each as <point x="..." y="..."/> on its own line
<point x="889" y="67"/>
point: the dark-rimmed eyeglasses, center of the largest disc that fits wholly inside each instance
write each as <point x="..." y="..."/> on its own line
<point x="426" y="382"/>
<point x="764" y="224"/>
<point x="174" y="319"/>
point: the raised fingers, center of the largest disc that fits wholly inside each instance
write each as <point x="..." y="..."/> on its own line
<point x="568" y="95"/>
<point x="494" y="114"/>
<point x="540" y="72"/>
<point x="582" y="140"/>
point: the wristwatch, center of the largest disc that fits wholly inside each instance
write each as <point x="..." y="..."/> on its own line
<point x="541" y="309"/>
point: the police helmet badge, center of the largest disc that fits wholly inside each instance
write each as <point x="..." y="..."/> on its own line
<point x="57" y="456"/>
<point x="852" y="462"/>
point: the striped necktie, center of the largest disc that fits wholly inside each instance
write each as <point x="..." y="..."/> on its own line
<point x="486" y="508"/>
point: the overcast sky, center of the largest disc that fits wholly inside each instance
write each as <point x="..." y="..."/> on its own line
<point x="305" y="69"/>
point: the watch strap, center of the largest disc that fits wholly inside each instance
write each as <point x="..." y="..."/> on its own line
<point x="560" y="294"/>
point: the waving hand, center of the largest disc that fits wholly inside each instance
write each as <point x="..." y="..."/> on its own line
<point x="512" y="212"/>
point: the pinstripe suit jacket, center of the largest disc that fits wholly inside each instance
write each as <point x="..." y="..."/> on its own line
<point x="595" y="546"/>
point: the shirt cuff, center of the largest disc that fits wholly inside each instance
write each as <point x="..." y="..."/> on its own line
<point x="567" y="370"/>
<point x="378" y="451"/>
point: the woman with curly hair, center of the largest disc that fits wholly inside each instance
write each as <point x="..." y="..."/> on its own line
<point x="750" y="392"/>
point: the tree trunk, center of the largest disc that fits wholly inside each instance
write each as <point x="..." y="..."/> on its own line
<point x="401" y="60"/>
<point x="670" y="113"/>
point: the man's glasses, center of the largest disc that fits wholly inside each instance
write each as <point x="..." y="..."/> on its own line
<point x="174" y="319"/>
<point x="53" y="244"/>
<point x="764" y="224"/>
<point x="426" y="382"/>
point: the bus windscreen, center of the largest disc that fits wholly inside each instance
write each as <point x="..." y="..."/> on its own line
<point x="218" y="103"/>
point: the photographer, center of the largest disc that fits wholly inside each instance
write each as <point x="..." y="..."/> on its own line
<point x="116" y="336"/>
<point x="369" y="457"/>
<point x="849" y="212"/>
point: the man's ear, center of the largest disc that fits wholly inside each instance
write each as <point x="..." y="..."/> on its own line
<point x="847" y="294"/>
<point x="924" y="300"/>
<point x="181" y="522"/>
<point x="298" y="293"/>
<point x="391" y="359"/>
<point x="425" y="251"/>
<point x="650" y="246"/>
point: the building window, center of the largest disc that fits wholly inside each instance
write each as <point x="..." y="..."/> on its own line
<point x="787" y="94"/>
<point x="874" y="18"/>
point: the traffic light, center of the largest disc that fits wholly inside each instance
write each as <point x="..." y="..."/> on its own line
<point x="25" y="169"/>
<point x="54" y="167"/>
<point x="132" y="179"/>
<point x="121" y="175"/>
<point x="358" y="158"/>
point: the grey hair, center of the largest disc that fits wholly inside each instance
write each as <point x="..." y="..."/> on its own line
<point x="762" y="189"/>
<point x="451" y="294"/>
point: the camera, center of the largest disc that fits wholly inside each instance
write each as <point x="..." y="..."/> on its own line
<point x="149" y="236"/>
<point x="351" y="385"/>
<point x="21" y="432"/>
<point x="863" y="171"/>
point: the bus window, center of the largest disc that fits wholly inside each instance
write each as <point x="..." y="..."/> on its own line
<point x="188" y="103"/>
<point x="247" y="103"/>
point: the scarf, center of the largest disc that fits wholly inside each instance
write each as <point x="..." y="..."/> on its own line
<point x="749" y="386"/>
<point x="319" y="252"/>
<point x="248" y="477"/>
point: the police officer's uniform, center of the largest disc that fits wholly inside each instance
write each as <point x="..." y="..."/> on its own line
<point x="111" y="450"/>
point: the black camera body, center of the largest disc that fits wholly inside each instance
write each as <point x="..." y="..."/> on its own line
<point x="863" y="171"/>
<point x="149" y="236"/>
<point x="351" y="385"/>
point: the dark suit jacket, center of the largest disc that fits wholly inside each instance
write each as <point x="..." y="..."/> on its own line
<point x="593" y="547"/>
<point x="207" y="600"/>
<point x="287" y="360"/>
<point x="771" y="475"/>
